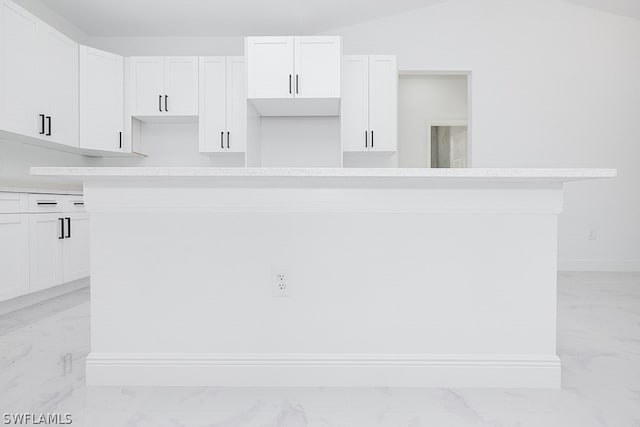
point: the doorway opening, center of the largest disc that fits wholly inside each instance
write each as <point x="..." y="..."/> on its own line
<point x="448" y="144"/>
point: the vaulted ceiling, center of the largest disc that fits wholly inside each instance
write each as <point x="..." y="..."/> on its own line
<point x="247" y="17"/>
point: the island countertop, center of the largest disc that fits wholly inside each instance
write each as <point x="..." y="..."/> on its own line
<point x="429" y="174"/>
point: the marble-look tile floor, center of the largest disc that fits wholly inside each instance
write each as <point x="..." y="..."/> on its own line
<point x="598" y="342"/>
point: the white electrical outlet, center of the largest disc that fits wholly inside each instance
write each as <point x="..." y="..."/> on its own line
<point x="281" y="283"/>
<point x="593" y="235"/>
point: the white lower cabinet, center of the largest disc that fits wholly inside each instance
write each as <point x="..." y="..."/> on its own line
<point x="58" y="249"/>
<point x="44" y="242"/>
<point x="14" y="253"/>
<point x="45" y="251"/>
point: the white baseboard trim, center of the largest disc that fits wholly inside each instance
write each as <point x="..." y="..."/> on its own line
<point x="622" y="265"/>
<point x="34" y="298"/>
<point x="323" y="370"/>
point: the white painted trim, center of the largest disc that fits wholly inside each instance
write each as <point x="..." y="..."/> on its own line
<point x="631" y="265"/>
<point x="324" y="370"/>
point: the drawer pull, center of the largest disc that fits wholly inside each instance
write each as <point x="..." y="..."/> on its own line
<point x="78" y="203"/>
<point x="47" y="203"/>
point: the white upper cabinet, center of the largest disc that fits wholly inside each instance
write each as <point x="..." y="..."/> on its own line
<point x="59" y="74"/>
<point x="163" y="86"/>
<point x="369" y="116"/>
<point x="38" y="78"/>
<point x="20" y="101"/>
<point x="101" y="100"/>
<point x="223" y="108"/>
<point x="294" y="76"/>
<point x="317" y="67"/>
<point x="270" y="67"/>
<point x="181" y="85"/>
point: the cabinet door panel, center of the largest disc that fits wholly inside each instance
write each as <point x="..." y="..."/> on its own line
<point x="383" y="102"/>
<point x="20" y="102"/>
<point x="101" y="99"/>
<point x="14" y="253"/>
<point x="75" y="249"/>
<point x="317" y="67"/>
<point x="236" y="104"/>
<point x="45" y="251"/>
<point x="181" y="85"/>
<point x="270" y="67"/>
<point x="59" y="71"/>
<point x="354" y="111"/>
<point x="213" y="113"/>
<point x="147" y="85"/>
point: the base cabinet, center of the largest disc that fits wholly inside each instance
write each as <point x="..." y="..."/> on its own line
<point x="58" y="244"/>
<point x="14" y="253"/>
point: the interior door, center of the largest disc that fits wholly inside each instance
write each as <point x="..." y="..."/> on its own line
<point x="14" y="252"/>
<point x="317" y="67"/>
<point x="59" y="71"/>
<point x="45" y="250"/>
<point x="20" y="102"/>
<point x="181" y="85"/>
<point x="236" y="104"/>
<point x="101" y="99"/>
<point x="270" y="67"/>
<point x="75" y="256"/>
<point x="147" y="85"/>
<point x="213" y="112"/>
<point x="354" y="109"/>
<point x="383" y="103"/>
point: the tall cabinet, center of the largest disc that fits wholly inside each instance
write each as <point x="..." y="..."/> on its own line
<point x="223" y="105"/>
<point x="38" y="78"/>
<point x="369" y="110"/>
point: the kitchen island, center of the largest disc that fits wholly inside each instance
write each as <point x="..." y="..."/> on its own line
<point x="323" y="277"/>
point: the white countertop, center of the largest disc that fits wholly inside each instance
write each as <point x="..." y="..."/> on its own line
<point x="501" y="174"/>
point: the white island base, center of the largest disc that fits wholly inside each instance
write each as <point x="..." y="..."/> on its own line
<point x="397" y="277"/>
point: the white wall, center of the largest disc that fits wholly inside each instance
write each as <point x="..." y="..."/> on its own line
<point x="553" y="85"/>
<point x="423" y="99"/>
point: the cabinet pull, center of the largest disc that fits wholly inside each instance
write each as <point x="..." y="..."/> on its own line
<point x="120" y="146"/>
<point x="366" y="139"/>
<point x="228" y="134"/>
<point x="68" y="236"/>
<point x="160" y="103"/>
<point x="166" y="103"/>
<point x="47" y="203"/>
<point x="61" y="236"/>
<point x="41" y="123"/>
<point x="296" y="83"/>
<point x="289" y="83"/>
<point x="48" y="126"/>
<point x="371" y="139"/>
<point x="78" y="203"/>
<point x="222" y="139"/>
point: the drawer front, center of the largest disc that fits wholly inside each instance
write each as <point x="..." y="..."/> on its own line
<point x="40" y="203"/>
<point x="73" y="203"/>
<point x="13" y="202"/>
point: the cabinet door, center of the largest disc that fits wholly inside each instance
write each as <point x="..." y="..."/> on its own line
<point x="59" y="72"/>
<point x="383" y="102"/>
<point x="147" y="85"/>
<point x="181" y="85"/>
<point x="213" y="113"/>
<point x="101" y="99"/>
<point x="317" y="67"/>
<point x="354" y="111"/>
<point x="45" y="251"/>
<point x="236" y="104"/>
<point x="270" y="67"/>
<point x="75" y="247"/>
<point x="20" y="102"/>
<point x="14" y="253"/>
